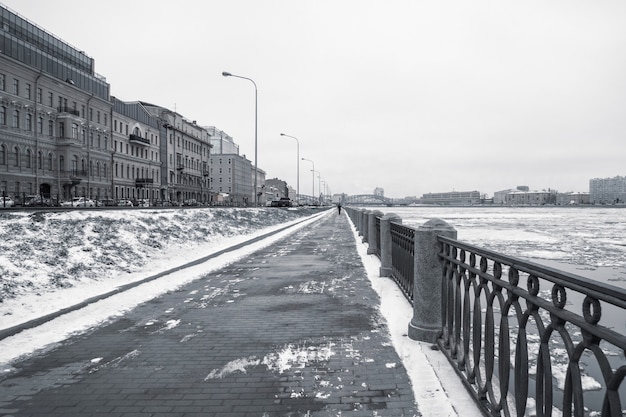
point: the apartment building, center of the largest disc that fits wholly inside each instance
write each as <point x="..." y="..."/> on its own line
<point x="136" y="153"/>
<point x="607" y="190"/>
<point x="63" y="135"/>
<point x="54" y="116"/>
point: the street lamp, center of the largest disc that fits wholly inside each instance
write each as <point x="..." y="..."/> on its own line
<point x="297" y="164"/>
<point x="228" y="74"/>
<point x="319" y="181"/>
<point x="313" y="182"/>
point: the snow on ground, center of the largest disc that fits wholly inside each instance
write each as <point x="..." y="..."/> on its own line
<point x="436" y="386"/>
<point x="51" y="260"/>
<point x="48" y="298"/>
<point x="133" y="245"/>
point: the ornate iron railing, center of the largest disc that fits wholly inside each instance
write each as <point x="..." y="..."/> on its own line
<point x="402" y="257"/>
<point x="377" y="236"/>
<point x="526" y="337"/>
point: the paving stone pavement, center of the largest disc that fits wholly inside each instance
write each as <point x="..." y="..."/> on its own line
<point x="291" y="330"/>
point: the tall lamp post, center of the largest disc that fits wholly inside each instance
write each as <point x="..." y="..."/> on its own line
<point x="312" y="182"/>
<point x="228" y="74"/>
<point x="319" y="180"/>
<point x="297" y="164"/>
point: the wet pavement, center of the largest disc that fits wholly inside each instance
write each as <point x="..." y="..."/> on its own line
<point x="292" y="330"/>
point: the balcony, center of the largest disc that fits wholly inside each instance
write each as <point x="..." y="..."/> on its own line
<point x="73" y="176"/>
<point x="142" y="182"/>
<point x="68" y="110"/>
<point x="138" y="139"/>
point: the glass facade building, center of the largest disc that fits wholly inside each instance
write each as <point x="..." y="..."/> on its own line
<point x="38" y="49"/>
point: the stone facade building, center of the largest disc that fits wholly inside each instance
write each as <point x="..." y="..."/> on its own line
<point x="62" y="135"/>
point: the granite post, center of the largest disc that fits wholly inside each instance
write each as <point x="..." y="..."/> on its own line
<point x="372" y="236"/>
<point x="426" y="324"/>
<point x="385" y="243"/>
<point x="364" y="215"/>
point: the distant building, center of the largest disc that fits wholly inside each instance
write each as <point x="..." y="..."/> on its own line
<point x="231" y="176"/>
<point x="571" y="198"/>
<point x="499" y="197"/>
<point x="453" y="198"/>
<point x="533" y="198"/>
<point x="275" y="189"/>
<point x="221" y="142"/>
<point x="607" y="190"/>
<point x="379" y="191"/>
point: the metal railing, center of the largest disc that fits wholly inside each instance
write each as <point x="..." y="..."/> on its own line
<point x="526" y="339"/>
<point x="402" y="257"/>
<point x="550" y="337"/>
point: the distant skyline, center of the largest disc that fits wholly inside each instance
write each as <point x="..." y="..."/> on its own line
<point x="412" y="97"/>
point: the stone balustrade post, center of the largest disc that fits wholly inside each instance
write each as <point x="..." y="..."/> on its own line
<point x="385" y="243"/>
<point x="426" y="324"/>
<point x="364" y="216"/>
<point x="372" y="235"/>
<point x="359" y="221"/>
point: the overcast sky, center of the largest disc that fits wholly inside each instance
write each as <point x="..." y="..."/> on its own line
<point x="411" y="96"/>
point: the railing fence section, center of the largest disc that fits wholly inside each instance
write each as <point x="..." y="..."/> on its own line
<point x="526" y="339"/>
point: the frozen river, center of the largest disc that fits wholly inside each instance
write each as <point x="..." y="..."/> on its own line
<point x="589" y="241"/>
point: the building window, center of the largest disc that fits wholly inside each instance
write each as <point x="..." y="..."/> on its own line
<point x="29" y="122"/>
<point x="28" y="91"/>
<point x="50" y="128"/>
<point x="3" y="116"/>
<point x="16" y="152"/>
<point x="106" y="121"/>
<point x="16" y="119"/>
<point x="2" y="87"/>
<point x="16" y="86"/>
<point x="39" y="95"/>
<point x="61" y="129"/>
<point x="50" y="99"/>
<point x="40" y="125"/>
<point x="91" y="115"/>
<point x="28" y="158"/>
<point x="50" y="161"/>
<point x="39" y="160"/>
<point x="98" y="116"/>
<point x="3" y="155"/>
<point x="74" y="131"/>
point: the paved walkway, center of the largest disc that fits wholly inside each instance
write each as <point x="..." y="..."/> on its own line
<point x="292" y="330"/>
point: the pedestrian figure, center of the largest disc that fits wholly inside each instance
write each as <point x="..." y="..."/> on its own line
<point x="339" y="208"/>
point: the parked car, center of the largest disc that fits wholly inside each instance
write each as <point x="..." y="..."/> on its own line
<point x="79" y="202"/>
<point x="125" y="203"/>
<point x="283" y="202"/>
<point x="37" y="201"/>
<point x="108" y="203"/>
<point x="6" y="202"/>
